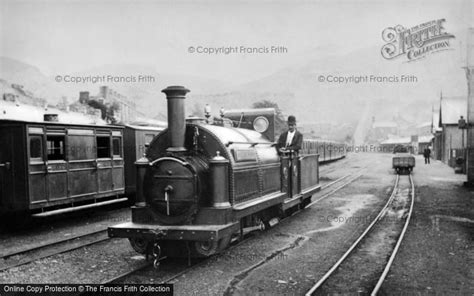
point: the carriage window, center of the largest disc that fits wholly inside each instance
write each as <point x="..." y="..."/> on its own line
<point x="55" y="146"/>
<point x="103" y="147"/>
<point x="116" y="146"/>
<point x="36" y="147"/>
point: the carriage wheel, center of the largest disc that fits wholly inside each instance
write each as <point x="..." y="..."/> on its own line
<point x="260" y="223"/>
<point x="140" y="245"/>
<point x="16" y="220"/>
<point x="305" y="203"/>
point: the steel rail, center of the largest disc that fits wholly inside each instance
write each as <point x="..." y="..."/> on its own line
<point x="397" y="246"/>
<point x="127" y="273"/>
<point x="52" y="245"/>
<point x="356" y="243"/>
<point x="234" y="243"/>
<point x="357" y="175"/>
<point x="15" y="253"/>
<point x="335" y="181"/>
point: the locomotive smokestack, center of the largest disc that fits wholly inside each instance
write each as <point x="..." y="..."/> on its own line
<point x="176" y="121"/>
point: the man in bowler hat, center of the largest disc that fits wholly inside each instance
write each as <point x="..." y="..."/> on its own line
<point x="292" y="139"/>
<point x="427" y="154"/>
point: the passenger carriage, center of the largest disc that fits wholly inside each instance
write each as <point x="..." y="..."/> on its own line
<point x="46" y="166"/>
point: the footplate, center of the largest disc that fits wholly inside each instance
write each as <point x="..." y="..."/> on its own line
<point x="173" y="232"/>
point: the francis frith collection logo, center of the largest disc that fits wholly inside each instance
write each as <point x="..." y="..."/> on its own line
<point x="416" y="42"/>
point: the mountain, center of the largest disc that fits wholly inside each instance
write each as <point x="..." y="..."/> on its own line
<point x="146" y="93"/>
<point x="344" y="101"/>
<point x="366" y="82"/>
<point x="32" y="79"/>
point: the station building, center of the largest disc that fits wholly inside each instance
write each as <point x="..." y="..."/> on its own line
<point x="449" y="139"/>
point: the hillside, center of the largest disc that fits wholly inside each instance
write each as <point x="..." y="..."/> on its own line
<point x="296" y="89"/>
<point x="16" y="72"/>
<point x="342" y="102"/>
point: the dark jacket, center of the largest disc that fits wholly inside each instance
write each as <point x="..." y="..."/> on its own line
<point x="426" y="152"/>
<point x="295" y="143"/>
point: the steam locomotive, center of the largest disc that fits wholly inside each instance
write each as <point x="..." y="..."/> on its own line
<point x="201" y="183"/>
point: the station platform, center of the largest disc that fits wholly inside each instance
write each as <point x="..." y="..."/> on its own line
<point x="437" y="253"/>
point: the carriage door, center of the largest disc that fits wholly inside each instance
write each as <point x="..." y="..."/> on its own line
<point x="37" y="176"/>
<point x="56" y="165"/>
<point x="82" y="163"/>
<point x="104" y="161"/>
<point x="7" y="185"/>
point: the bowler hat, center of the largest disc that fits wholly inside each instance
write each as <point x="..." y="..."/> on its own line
<point x="291" y="119"/>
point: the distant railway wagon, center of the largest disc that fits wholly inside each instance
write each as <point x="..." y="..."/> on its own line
<point x="402" y="161"/>
<point x="49" y="167"/>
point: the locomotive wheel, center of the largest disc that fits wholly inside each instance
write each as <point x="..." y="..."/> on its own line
<point x="209" y="248"/>
<point x="224" y="243"/>
<point x="140" y="245"/>
<point x="206" y="248"/>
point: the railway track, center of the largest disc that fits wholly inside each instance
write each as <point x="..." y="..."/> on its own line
<point x="167" y="274"/>
<point x="365" y="265"/>
<point x="174" y="272"/>
<point x="28" y="255"/>
<point x="328" y="168"/>
<point x="336" y="185"/>
<point x="165" y="277"/>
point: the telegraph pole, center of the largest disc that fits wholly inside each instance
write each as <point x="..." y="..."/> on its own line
<point x="470" y="106"/>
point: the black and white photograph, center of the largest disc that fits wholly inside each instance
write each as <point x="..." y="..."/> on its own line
<point x="236" y="147"/>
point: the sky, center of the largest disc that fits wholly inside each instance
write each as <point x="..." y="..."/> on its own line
<point x="62" y="37"/>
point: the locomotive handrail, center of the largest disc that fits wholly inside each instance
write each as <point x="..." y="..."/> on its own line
<point x="309" y="155"/>
<point x="252" y="144"/>
<point x="183" y="163"/>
